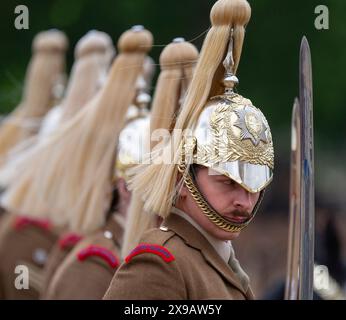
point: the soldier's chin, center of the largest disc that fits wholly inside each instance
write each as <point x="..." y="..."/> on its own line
<point x="235" y="235"/>
<point x="227" y="235"/>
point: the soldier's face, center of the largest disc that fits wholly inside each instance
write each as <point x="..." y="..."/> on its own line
<point x="228" y="198"/>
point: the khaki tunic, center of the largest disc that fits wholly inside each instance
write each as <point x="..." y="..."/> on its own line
<point x="6" y="221"/>
<point x="55" y="258"/>
<point x="28" y="246"/>
<point x="90" y="278"/>
<point x="197" y="271"/>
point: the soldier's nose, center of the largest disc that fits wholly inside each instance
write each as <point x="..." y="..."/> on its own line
<point x="243" y="200"/>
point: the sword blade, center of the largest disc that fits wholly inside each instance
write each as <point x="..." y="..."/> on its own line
<point x="292" y="277"/>
<point x="307" y="201"/>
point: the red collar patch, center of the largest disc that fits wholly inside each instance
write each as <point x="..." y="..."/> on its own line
<point x="101" y="252"/>
<point x="151" y="248"/>
<point x="24" y="221"/>
<point x="69" y="240"/>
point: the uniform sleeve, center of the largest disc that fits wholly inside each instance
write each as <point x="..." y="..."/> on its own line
<point x="147" y="277"/>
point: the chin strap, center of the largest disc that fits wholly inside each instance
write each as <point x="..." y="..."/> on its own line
<point x="207" y="209"/>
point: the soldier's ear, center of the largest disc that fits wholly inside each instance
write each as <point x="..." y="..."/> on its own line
<point x="122" y="189"/>
<point x="183" y="192"/>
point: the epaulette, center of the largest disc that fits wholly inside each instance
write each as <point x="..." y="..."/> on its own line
<point x="160" y="251"/>
<point x="69" y="240"/>
<point x="22" y="222"/>
<point x="103" y="253"/>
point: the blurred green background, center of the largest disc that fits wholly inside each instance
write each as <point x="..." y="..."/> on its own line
<point x="268" y="70"/>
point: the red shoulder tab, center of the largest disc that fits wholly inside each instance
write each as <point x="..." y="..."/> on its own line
<point x="24" y="221"/>
<point x="101" y="252"/>
<point x="69" y="240"/>
<point x="151" y="248"/>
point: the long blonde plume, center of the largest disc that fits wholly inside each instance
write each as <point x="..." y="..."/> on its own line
<point x="92" y="62"/>
<point x="44" y="71"/>
<point x="156" y="183"/>
<point x="70" y="180"/>
<point x="93" y="57"/>
<point x="177" y="61"/>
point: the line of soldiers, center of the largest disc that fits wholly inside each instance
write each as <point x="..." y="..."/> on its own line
<point x="107" y="195"/>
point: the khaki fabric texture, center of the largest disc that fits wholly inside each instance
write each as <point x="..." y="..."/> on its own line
<point x="197" y="272"/>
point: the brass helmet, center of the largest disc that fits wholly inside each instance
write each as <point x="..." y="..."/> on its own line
<point x="233" y="138"/>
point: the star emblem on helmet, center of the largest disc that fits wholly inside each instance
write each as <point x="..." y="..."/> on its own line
<point x="251" y="125"/>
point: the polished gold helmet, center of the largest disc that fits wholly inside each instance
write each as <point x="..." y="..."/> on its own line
<point x="216" y="127"/>
<point x="233" y="138"/>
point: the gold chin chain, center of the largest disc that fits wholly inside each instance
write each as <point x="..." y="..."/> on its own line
<point x="213" y="216"/>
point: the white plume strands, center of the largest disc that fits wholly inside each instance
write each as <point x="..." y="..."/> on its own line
<point x="92" y="62"/>
<point x="44" y="74"/>
<point x="177" y="62"/>
<point x="70" y="182"/>
<point x="157" y="182"/>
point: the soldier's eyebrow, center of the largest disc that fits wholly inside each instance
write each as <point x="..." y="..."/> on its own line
<point x="217" y="175"/>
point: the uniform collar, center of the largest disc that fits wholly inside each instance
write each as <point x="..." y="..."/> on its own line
<point x="194" y="238"/>
<point x="223" y="248"/>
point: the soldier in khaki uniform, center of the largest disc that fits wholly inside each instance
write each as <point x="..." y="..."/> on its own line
<point x="26" y="242"/>
<point x="23" y="240"/>
<point x="93" y="54"/>
<point x="62" y="247"/>
<point x="177" y="62"/>
<point x="33" y="241"/>
<point x="88" y="269"/>
<point x="221" y="163"/>
<point x="68" y="240"/>
<point x="178" y="262"/>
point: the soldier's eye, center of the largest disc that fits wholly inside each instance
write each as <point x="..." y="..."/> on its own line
<point x="228" y="182"/>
